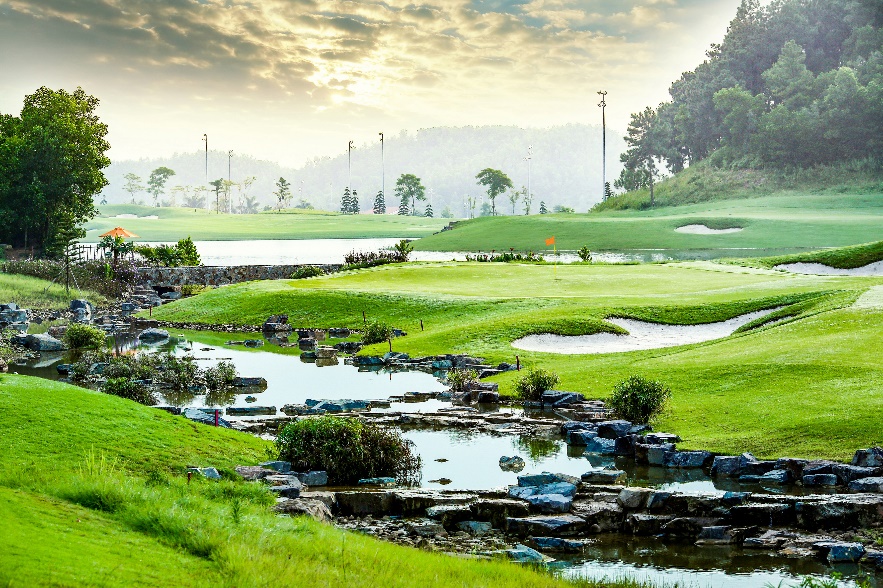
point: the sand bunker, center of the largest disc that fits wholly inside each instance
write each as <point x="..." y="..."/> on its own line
<point x="704" y="230"/>
<point x="818" y="269"/>
<point x="641" y="335"/>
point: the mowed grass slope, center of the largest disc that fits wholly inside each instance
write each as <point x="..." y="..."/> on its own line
<point x="93" y="494"/>
<point x="201" y="225"/>
<point x="27" y="292"/>
<point x="808" y="387"/>
<point x="786" y="220"/>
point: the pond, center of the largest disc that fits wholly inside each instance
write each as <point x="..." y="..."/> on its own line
<point x="328" y="251"/>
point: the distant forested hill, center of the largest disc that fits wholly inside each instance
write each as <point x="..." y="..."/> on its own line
<point x="565" y="168"/>
<point x="793" y="84"/>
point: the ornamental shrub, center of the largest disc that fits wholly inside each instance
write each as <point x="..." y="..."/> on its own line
<point x="307" y="271"/>
<point x="459" y="380"/>
<point x="376" y="332"/>
<point x="348" y="450"/>
<point x="130" y="389"/>
<point x="220" y="376"/>
<point x="79" y="336"/>
<point x="536" y="381"/>
<point x="638" y="400"/>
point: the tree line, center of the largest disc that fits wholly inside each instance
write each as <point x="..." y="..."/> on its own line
<point x="794" y="83"/>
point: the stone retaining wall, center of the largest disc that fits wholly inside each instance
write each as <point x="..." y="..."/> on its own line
<point x="220" y="275"/>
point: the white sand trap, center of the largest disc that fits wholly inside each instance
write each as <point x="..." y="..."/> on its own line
<point x="125" y="216"/>
<point x="641" y="335"/>
<point x="819" y="269"/>
<point x="872" y="299"/>
<point x="704" y="230"/>
<point x="150" y="217"/>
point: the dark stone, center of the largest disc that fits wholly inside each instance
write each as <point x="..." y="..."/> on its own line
<point x="645" y="524"/>
<point x="571" y="426"/>
<point x="819" y="480"/>
<point x="757" y="468"/>
<point x="497" y="512"/>
<point x="735" y="498"/>
<point x="239" y="382"/>
<point x="602" y="446"/>
<point x="687" y="459"/>
<point x="524" y="554"/>
<point x="839" y="552"/>
<point x="727" y="466"/>
<point x="252" y="343"/>
<point x="304" y="507"/>
<point x="656" y="453"/>
<point x="559" y="399"/>
<point x="580" y="437"/>
<point x="557" y="544"/>
<point x="602" y="476"/>
<point x="153" y="334"/>
<point x="550" y="503"/>
<point x="624" y="446"/>
<point x="364" y="503"/>
<point x="868" y="458"/>
<point x="819" y="467"/>
<point x="194" y="414"/>
<point x="686" y="527"/>
<point x="250" y="410"/>
<point x="488" y="398"/>
<point x="874" y="485"/>
<point x="253" y="473"/>
<point x="555" y="526"/>
<point x="613" y="429"/>
<point x="313" y="478"/>
<point x="762" y="515"/>
<point x="777" y="477"/>
<point x="793" y="465"/>
<point x="660" y="438"/>
<point x="449" y="515"/>
<point x="847" y="473"/>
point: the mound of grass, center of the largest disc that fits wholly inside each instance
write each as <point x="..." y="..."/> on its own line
<point x="29" y="292"/>
<point x="93" y="495"/>
<point x="842" y="257"/>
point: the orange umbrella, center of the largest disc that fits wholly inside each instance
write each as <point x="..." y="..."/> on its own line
<point x="119" y="232"/>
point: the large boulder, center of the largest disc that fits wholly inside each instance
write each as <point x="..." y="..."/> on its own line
<point x="498" y="511"/>
<point x="839" y="552"/>
<point x="557" y="544"/>
<point x="601" y="446"/>
<point x="687" y="459"/>
<point x="602" y="476"/>
<point x="550" y="503"/>
<point x="524" y="554"/>
<point x="847" y="473"/>
<point x="14" y="315"/>
<point x="304" y="507"/>
<point x="727" y="466"/>
<point x="868" y="458"/>
<point x="614" y="429"/>
<point x="559" y="399"/>
<point x="874" y="484"/>
<point x="762" y="515"/>
<point x="634" y="498"/>
<point x="43" y="342"/>
<point x="364" y="503"/>
<point x="195" y="414"/>
<point x="555" y="526"/>
<point x="820" y="480"/>
<point x="153" y="335"/>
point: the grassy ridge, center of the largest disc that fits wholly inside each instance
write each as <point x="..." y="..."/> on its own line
<point x="843" y="257"/>
<point x="28" y="292"/>
<point x="202" y="225"/>
<point x="786" y="220"/>
<point x="770" y="390"/>
<point x="93" y="494"/>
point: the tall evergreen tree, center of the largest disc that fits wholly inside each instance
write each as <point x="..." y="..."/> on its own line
<point x="543" y="209"/>
<point x="428" y="212"/>
<point x="379" y="203"/>
<point x="354" y="203"/>
<point x="346" y="201"/>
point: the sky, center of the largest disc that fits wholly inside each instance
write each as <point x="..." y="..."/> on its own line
<point x="289" y="80"/>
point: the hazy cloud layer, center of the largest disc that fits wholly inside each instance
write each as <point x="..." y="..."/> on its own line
<point x="295" y="78"/>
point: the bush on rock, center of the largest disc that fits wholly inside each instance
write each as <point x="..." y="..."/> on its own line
<point x="638" y="400"/>
<point x="532" y="385"/>
<point x="348" y="450"/>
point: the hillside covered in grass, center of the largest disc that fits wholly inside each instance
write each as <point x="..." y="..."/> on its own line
<point x="93" y="493"/>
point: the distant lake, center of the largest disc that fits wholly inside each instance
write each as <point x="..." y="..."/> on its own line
<point x="327" y="251"/>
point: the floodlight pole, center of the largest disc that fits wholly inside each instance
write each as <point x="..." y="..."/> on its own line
<point x="349" y="164"/>
<point x="603" y="105"/>
<point x="205" y="138"/>
<point x="529" y="155"/>
<point x="382" y="170"/>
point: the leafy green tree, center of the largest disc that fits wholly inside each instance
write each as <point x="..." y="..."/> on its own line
<point x="514" y="197"/>
<point x="526" y="199"/>
<point x="249" y="205"/>
<point x="409" y="190"/>
<point x="379" y="203"/>
<point x="446" y="212"/>
<point x="639" y="164"/>
<point x="471" y="203"/>
<point x="495" y="182"/>
<point x="133" y="185"/>
<point x="156" y="183"/>
<point x="282" y="193"/>
<point x="51" y="162"/>
<point x="197" y="199"/>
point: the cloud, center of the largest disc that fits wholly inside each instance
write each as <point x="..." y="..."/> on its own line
<point x="435" y="63"/>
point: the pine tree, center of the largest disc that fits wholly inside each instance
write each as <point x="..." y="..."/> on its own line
<point x="404" y="209"/>
<point x="608" y="193"/>
<point x="379" y="203"/>
<point x="345" y="202"/>
<point x="428" y="212"/>
<point x="543" y="209"/>
<point x="354" y="203"/>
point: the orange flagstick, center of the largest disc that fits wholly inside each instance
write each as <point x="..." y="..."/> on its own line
<point x="551" y="241"/>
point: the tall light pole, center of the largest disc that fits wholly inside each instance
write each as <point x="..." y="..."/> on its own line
<point x="529" y="155"/>
<point x="229" y="180"/>
<point x="205" y="138"/>
<point x="603" y="105"/>
<point x="349" y="164"/>
<point x="382" y="170"/>
<point x="229" y="159"/>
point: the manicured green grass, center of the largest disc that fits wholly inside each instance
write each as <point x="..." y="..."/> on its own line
<point x="769" y="390"/>
<point x="93" y="494"/>
<point x="785" y="220"/>
<point x="201" y="225"/>
<point x="29" y="292"/>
